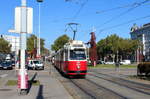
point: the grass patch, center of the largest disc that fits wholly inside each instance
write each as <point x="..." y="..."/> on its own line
<point x="34" y="83"/>
<point x="12" y="83"/>
<point x="110" y="66"/>
<point x="128" y="66"/>
<point x="15" y="82"/>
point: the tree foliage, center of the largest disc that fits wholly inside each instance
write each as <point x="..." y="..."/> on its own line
<point x="32" y="43"/>
<point x="60" y="42"/>
<point x="113" y="45"/>
<point x="5" y="47"/>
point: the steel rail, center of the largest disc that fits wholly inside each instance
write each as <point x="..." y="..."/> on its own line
<point x="122" y="82"/>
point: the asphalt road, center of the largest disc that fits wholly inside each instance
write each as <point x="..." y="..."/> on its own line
<point x="5" y="73"/>
<point x="106" y="84"/>
<point x="98" y="84"/>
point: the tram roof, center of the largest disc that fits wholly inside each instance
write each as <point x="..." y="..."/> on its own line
<point x="75" y="44"/>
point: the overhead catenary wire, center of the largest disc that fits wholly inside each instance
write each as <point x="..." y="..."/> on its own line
<point x="117" y="8"/>
<point x="76" y="15"/>
<point x="80" y="9"/>
<point x="121" y="24"/>
<point x="136" y="4"/>
<point x="133" y="6"/>
<point x="97" y="12"/>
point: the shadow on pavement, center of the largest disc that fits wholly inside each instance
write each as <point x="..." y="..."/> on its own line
<point x="40" y="93"/>
<point x="30" y="82"/>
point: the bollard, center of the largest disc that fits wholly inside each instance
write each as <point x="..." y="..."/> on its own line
<point x="94" y="63"/>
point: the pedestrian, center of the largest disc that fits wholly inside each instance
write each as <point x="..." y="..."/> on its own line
<point x="117" y="64"/>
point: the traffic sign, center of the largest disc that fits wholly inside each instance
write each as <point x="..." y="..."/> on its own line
<point x="18" y="16"/>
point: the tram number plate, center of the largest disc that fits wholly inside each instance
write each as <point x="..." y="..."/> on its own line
<point x="5" y="67"/>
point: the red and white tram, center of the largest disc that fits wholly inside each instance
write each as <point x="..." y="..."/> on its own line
<point x="71" y="59"/>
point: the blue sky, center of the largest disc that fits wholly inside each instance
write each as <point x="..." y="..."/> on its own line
<point x="55" y="14"/>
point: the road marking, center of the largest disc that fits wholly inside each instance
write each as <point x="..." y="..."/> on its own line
<point x="4" y="75"/>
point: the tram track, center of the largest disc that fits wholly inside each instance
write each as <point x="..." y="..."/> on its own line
<point x="73" y="89"/>
<point x="142" y="88"/>
<point x="104" y="86"/>
<point x="82" y="89"/>
<point x="94" y="90"/>
<point x="86" y="89"/>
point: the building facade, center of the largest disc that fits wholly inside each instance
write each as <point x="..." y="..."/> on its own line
<point x="14" y="41"/>
<point x="142" y="34"/>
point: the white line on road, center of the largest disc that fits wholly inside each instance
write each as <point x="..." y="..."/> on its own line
<point x="4" y="75"/>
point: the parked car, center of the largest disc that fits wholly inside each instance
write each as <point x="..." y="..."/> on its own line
<point x="35" y="64"/>
<point x="109" y="62"/>
<point x="13" y="63"/>
<point x="100" y="62"/>
<point x="6" y="65"/>
<point x="125" y="62"/>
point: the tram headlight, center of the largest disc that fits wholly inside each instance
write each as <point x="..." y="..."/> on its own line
<point x="78" y="67"/>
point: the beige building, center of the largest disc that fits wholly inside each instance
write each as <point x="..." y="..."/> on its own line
<point x="14" y="41"/>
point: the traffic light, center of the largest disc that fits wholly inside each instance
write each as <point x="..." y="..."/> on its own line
<point x="39" y="0"/>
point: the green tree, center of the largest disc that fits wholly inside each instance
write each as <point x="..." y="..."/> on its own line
<point x="32" y="43"/>
<point x="5" y="47"/>
<point x="128" y="47"/>
<point x="114" y="45"/>
<point x="102" y="48"/>
<point x="109" y="46"/>
<point x="60" y="42"/>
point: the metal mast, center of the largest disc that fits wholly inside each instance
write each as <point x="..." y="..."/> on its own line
<point x="39" y="40"/>
<point x="23" y="83"/>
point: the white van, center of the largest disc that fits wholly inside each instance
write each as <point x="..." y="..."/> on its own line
<point x="125" y="62"/>
<point x="35" y="64"/>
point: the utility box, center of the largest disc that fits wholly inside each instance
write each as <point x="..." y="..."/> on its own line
<point x="18" y="19"/>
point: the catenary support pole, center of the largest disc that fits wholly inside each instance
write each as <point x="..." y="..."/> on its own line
<point x="23" y="72"/>
<point x="39" y="40"/>
<point x="39" y="28"/>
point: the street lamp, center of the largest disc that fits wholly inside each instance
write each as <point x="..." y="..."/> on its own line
<point x="39" y="0"/>
<point x="39" y="41"/>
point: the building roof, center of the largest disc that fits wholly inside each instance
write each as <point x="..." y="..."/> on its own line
<point x="145" y="26"/>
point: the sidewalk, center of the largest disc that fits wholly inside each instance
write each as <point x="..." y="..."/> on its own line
<point x="49" y="88"/>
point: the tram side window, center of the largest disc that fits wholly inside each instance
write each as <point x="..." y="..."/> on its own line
<point x="66" y="55"/>
<point x="62" y="56"/>
<point x="77" y="54"/>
